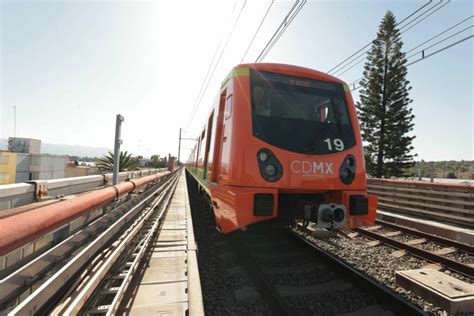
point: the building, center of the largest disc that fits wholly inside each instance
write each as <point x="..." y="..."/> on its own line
<point x="24" y="145"/>
<point x="7" y="167"/>
<point x="21" y="167"/>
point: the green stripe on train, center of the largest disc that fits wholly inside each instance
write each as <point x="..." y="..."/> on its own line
<point x="235" y="73"/>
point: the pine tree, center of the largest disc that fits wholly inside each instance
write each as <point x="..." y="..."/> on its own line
<point x="384" y="112"/>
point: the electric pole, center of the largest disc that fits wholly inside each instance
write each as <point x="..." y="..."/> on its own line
<point x="118" y="142"/>
<point x="179" y="146"/>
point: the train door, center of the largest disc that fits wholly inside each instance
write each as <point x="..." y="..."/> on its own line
<point x="218" y="140"/>
<point x="225" y="156"/>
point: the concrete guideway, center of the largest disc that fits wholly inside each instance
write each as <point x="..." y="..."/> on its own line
<point x="170" y="283"/>
<point x="93" y="269"/>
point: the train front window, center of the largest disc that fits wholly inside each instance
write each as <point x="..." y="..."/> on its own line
<point x="300" y="115"/>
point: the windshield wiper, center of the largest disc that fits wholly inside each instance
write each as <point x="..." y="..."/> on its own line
<point x="337" y="115"/>
<point x="312" y="146"/>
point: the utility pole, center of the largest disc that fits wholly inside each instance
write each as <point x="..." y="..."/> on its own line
<point x="14" y="121"/>
<point x="117" y="143"/>
<point x="179" y="146"/>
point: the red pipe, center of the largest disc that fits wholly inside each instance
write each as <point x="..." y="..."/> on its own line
<point x="17" y="230"/>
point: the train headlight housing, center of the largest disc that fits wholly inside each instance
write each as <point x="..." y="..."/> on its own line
<point x="270" y="170"/>
<point x="347" y="170"/>
<point x="269" y="166"/>
<point x="331" y="216"/>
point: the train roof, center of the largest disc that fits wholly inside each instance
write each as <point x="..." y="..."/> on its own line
<point x="289" y="69"/>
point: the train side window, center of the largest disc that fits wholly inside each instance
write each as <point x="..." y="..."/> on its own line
<point x="208" y="143"/>
<point x="228" y="107"/>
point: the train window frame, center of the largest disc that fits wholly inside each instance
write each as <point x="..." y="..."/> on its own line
<point x="228" y="107"/>
<point x="333" y="90"/>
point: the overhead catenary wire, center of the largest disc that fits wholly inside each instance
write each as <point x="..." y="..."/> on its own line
<point x="431" y="54"/>
<point x="201" y="95"/>
<point x="292" y="13"/>
<point x="426" y="17"/>
<point x="256" y="32"/>
<point x="443" y="32"/>
<point x="361" y="57"/>
<point x="439" y="42"/>
<point x="425" y="12"/>
<point x="357" y="53"/>
<point x="417" y="46"/>
<point x="440" y="50"/>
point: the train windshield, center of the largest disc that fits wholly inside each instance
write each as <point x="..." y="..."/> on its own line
<point x="299" y="114"/>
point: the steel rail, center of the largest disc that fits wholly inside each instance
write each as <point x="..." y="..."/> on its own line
<point x="40" y="297"/>
<point x="24" y="277"/>
<point x="127" y="268"/>
<point x="399" y="305"/>
<point x="99" y="272"/>
<point x="438" y="239"/>
<point x="421" y="253"/>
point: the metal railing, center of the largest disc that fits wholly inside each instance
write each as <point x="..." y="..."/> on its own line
<point x="19" y="194"/>
<point x="451" y="203"/>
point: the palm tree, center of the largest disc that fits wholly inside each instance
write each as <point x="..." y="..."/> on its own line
<point x="126" y="162"/>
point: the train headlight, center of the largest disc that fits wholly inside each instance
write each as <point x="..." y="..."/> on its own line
<point x="347" y="170"/>
<point x="269" y="166"/>
<point x="339" y="215"/>
<point x="263" y="156"/>
<point x="331" y="216"/>
<point x="270" y="170"/>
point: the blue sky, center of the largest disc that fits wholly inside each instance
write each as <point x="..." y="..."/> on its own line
<point x="70" y="66"/>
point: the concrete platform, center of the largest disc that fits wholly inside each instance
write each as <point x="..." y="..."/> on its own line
<point x="170" y="284"/>
<point x="453" y="232"/>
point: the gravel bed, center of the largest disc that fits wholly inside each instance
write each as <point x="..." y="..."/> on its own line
<point x="305" y="292"/>
<point x="361" y="256"/>
<point x="348" y="301"/>
<point x="221" y="277"/>
<point x="404" y="237"/>
<point x="461" y="257"/>
<point x="430" y="246"/>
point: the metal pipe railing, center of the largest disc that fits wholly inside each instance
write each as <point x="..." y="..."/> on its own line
<point x="19" y="229"/>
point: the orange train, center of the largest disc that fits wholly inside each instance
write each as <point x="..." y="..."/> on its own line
<point x="283" y="142"/>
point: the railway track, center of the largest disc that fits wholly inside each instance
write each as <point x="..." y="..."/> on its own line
<point x="296" y="279"/>
<point x="452" y="255"/>
<point x="64" y="279"/>
<point x="267" y="271"/>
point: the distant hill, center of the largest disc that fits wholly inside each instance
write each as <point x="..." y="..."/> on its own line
<point x="63" y="149"/>
<point x="463" y="169"/>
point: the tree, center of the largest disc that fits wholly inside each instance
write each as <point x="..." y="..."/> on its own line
<point x="158" y="162"/>
<point x="127" y="162"/>
<point x="384" y="113"/>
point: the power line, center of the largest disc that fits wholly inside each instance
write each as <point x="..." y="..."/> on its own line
<point x="431" y="54"/>
<point x="425" y="12"/>
<point x="198" y="102"/>
<point x="359" y="60"/>
<point x="294" y="10"/>
<point x="440" y="50"/>
<point x="426" y="16"/>
<point x="370" y="43"/>
<point x="205" y="78"/>
<point x="439" y="34"/>
<point x="439" y="42"/>
<point x="258" y="29"/>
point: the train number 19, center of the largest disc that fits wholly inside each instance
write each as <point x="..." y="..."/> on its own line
<point x="338" y="144"/>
